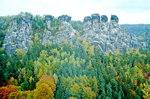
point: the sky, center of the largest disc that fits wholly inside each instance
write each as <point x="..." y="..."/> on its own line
<point x="128" y="11"/>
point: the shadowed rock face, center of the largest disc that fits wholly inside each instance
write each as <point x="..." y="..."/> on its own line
<point x="95" y="21"/>
<point x="65" y="18"/>
<point x="49" y="17"/>
<point x="87" y="23"/>
<point x="104" y="18"/>
<point x="48" y="20"/>
<point x="88" y="18"/>
<point x="18" y="35"/>
<point x="114" y="18"/>
<point x="96" y="17"/>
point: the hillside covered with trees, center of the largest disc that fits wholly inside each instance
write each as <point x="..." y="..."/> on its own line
<point x="67" y="71"/>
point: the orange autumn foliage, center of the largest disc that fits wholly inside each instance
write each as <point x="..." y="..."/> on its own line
<point x="4" y="93"/>
<point x="47" y="77"/>
<point x="135" y="82"/>
<point x="145" y="75"/>
<point x="12" y="88"/>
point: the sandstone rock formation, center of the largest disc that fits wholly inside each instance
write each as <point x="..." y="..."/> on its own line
<point x="87" y="23"/>
<point x="48" y="20"/>
<point x="114" y="18"/>
<point x="108" y="36"/>
<point x="95" y="21"/>
<point x="64" y="18"/>
<point x="18" y="35"/>
<point x="104" y="18"/>
<point x="48" y="35"/>
<point x="66" y="32"/>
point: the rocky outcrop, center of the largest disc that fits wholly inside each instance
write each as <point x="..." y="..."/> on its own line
<point x="48" y="35"/>
<point x="64" y="18"/>
<point x="87" y="23"/>
<point x="18" y="35"/>
<point x="95" y="22"/>
<point x="108" y="36"/>
<point x="114" y="18"/>
<point x="48" y="20"/>
<point x="104" y="18"/>
<point x="66" y="32"/>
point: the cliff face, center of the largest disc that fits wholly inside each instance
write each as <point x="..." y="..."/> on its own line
<point x="108" y="36"/>
<point x="18" y="35"/>
<point x="66" y="31"/>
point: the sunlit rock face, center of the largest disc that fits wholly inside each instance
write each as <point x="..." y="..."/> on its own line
<point x="95" y="21"/>
<point x="66" y="32"/>
<point x="109" y="36"/>
<point x="64" y="18"/>
<point x="18" y="35"/>
<point x="87" y="23"/>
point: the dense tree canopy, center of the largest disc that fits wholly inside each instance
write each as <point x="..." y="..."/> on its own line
<point x="67" y="72"/>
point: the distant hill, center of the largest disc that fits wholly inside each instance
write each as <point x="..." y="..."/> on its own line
<point x="142" y="31"/>
<point x="138" y="29"/>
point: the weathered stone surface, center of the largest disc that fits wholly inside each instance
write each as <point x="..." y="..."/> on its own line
<point x="110" y="36"/>
<point x="48" y="20"/>
<point x="87" y="23"/>
<point x="87" y="18"/>
<point x="47" y="37"/>
<point x="95" y="22"/>
<point x="18" y="35"/>
<point x="64" y="18"/>
<point x="104" y="18"/>
<point x="96" y="17"/>
<point x="114" y="18"/>
<point x="66" y="32"/>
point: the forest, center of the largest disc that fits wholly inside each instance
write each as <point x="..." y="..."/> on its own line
<point x="63" y="71"/>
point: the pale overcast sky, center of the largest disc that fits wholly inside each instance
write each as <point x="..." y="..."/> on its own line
<point x="128" y="11"/>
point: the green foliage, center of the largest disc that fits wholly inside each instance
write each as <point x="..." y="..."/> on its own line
<point x="77" y="25"/>
<point x="25" y="85"/>
<point x="38" y="25"/>
<point x="4" y="25"/>
<point x="55" y="26"/>
<point x="72" y="72"/>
